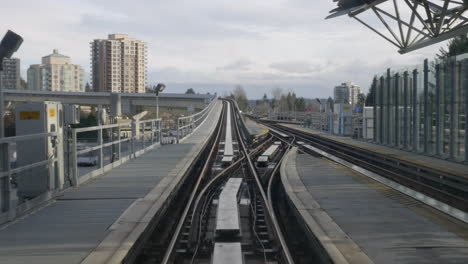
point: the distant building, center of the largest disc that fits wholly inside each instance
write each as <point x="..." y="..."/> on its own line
<point x="118" y="64"/>
<point x="346" y="93"/>
<point x="10" y="76"/>
<point x="56" y="73"/>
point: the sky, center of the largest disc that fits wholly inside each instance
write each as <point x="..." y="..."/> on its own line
<point x="214" y="45"/>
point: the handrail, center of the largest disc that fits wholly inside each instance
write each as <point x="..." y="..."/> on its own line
<point x="187" y="124"/>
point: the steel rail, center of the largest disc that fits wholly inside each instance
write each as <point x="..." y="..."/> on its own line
<point x="206" y="166"/>
<point x="277" y="230"/>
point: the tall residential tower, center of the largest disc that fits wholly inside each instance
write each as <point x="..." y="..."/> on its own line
<point x="56" y="73"/>
<point x="10" y="76"/>
<point x="118" y="64"/>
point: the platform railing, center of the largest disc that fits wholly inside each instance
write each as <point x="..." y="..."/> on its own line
<point x="96" y="150"/>
<point x="186" y="125"/>
<point x="21" y="168"/>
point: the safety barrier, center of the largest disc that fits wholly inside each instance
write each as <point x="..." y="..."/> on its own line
<point x="186" y="125"/>
<point x="114" y="145"/>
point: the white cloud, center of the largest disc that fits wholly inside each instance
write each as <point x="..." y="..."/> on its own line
<point x="287" y="42"/>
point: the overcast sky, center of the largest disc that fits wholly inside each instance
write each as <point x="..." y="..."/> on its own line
<point x="213" y="45"/>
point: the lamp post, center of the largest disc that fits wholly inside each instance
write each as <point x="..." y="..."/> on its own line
<point x="159" y="88"/>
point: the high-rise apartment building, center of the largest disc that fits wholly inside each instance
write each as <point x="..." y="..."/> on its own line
<point x="56" y="73"/>
<point x="118" y="64"/>
<point x="346" y="93"/>
<point x="10" y="76"/>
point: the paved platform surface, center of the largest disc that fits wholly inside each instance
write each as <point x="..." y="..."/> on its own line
<point x="109" y="208"/>
<point x="254" y="128"/>
<point x="359" y="215"/>
<point x="431" y="162"/>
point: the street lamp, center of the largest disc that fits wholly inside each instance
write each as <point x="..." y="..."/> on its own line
<point x="159" y="88"/>
<point x="9" y="45"/>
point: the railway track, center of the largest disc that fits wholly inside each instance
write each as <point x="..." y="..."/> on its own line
<point x="449" y="189"/>
<point x="228" y="211"/>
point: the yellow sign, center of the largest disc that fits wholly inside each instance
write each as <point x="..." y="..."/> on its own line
<point x="52" y="112"/>
<point x="346" y="107"/>
<point x="30" y="115"/>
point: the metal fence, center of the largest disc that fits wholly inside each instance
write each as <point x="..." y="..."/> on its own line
<point x="186" y="125"/>
<point x="114" y="144"/>
<point x="424" y="109"/>
<point x="35" y="168"/>
<point x="28" y="178"/>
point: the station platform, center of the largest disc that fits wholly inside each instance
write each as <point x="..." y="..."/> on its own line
<point x="254" y="128"/>
<point x="359" y="220"/>
<point x="99" y="221"/>
<point x="443" y="165"/>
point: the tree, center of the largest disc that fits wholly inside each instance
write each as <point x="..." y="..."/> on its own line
<point x="301" y="104"/>
<point x="361" y="100"/>
<point x="87" y="87"/>
<point x="371" y="94"/>
<point x="23" y="84"/>
<point x="330" y="103"/>
<point x="241" y="97"/>
<point x="455" y="46"/>
<point x="190" y="91"/>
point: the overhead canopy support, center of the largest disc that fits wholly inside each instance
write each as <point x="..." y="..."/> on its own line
<point x="409" y="24"/>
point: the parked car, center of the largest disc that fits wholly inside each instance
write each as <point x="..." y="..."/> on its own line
<point x="87" y="160"/>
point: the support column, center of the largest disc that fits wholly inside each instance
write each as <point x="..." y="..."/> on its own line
<point x="397" y="111"/>
<point x="453" y="110"/>
<point x="415" y="111"/>
<point x="381" y="120"/>
<point x="465" y="88"/>
<point x="374" y="110"/>
<point x="405" y="110"/>
<point x="389" y="94"/>
<point x="426" y="104"/>
<point x="438" y="110"/>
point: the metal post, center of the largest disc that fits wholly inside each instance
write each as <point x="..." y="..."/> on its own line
<point x="101" y="154"/>
<point x="465" y="87"/>
<point x="132" y="139"/>
<point x="405" y="110"/>
<point x="374" y="110"/>
<point x="415" y="111"/>
<point x="177" y="131"/>
<point x="438" y="110"/>
<point x="453" y="110"/>
<point x="389" y="94"/>
<point x="157" y="106"/>
<point x="427" y="118"/>
<point x="74" y="158"/>
<point x="119" y="146"/>
<point x="397" y="111"/>
<point x="152" y="132"/>
<point x="2" y="107"/>
<point x="381" y="124"/>
<point x="143" y="134"/>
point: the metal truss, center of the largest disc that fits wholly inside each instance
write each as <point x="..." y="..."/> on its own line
<point x="409" y="24"/>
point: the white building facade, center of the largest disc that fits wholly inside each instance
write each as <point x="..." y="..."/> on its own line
<point x="346" y="93"/>
<point x="56" y="73"/>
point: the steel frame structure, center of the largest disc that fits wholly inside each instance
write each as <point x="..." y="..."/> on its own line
<point x="426" y="22"/>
